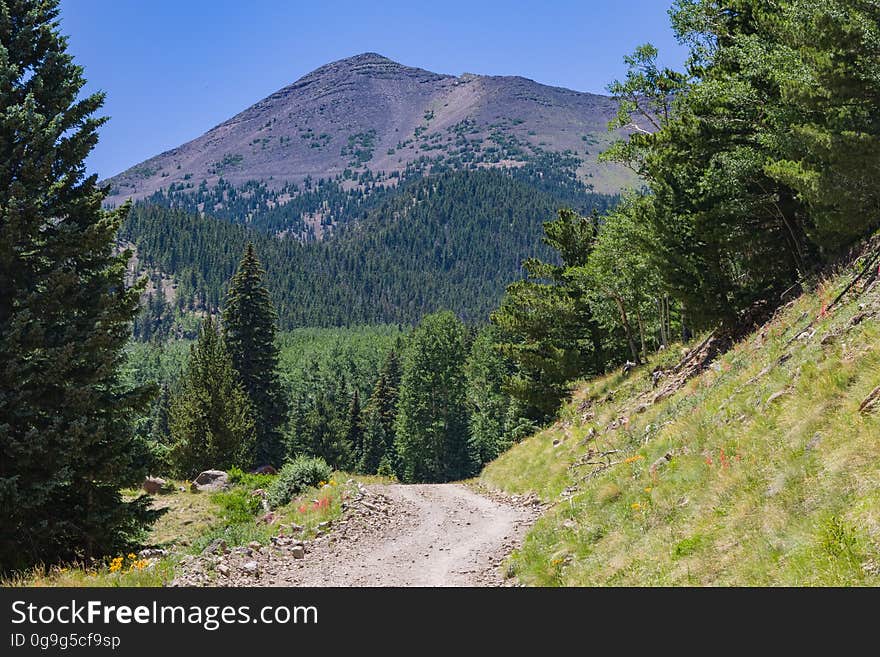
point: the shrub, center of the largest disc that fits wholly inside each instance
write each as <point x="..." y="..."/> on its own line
<point x="237" y="505"/>
<point x="297" y="475"/>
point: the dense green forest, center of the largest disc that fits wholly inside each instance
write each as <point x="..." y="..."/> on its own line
<point x="759" y="162"/>
<point x="448" y="241"/>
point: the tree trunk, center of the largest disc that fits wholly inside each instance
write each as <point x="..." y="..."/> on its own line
<point x="642" y="333"/>
<point x="661" y="308"/>
<point x="628" y="330"/>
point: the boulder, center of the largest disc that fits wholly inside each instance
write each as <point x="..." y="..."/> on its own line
<point x="217" y="546"/>
<point x="264" y="469"/>
<point x="153" y="485"/>
<point x="298" y="552"/>
<point x="210" y="480"/>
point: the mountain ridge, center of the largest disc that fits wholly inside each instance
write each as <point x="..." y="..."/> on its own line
<point x="367" y="115"/>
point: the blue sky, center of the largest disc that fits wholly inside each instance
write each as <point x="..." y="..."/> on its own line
<point x="174" y="69"/>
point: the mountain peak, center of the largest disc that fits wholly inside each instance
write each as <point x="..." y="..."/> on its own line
<point x="367" y="117"/>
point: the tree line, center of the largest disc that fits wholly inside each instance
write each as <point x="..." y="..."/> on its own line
<point x="760" y="162"/>
<point x="436" y="410"/>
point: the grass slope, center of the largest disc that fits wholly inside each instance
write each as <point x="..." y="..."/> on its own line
<point x="774" y="477"/>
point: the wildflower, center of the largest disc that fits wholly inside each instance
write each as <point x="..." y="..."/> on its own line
<point x="648" y="489"/>
<point x="116" y="565"/>
<point x="321" y="483"/>
<point x="132" y="556"/>
<point x="633" y="459"/>
<point x="636" y="506"/>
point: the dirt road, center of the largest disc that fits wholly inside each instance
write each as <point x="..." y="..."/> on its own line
<point x="398" y="535"/>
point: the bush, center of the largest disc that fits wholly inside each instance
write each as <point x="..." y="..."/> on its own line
<point x="238" y="505"/>
<point x="297" y="475"/>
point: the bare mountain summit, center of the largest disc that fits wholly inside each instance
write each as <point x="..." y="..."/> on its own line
<point x="370" y="115"/>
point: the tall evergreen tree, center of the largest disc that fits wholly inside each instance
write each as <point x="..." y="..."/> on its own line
<point x="249" y="328"/>
<point x="432" y="438"/>
<point x="546" y="326"/>
<point x="489" y="407"/>
<point x="354" y="430"/>
<point x="211" y="420"/>
<point x="66" y="444"/>
<point x="378" y="442"/>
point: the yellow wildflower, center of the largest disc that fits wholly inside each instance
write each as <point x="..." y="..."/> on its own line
<point x="636" y="506"/>
<point x="648" y="489"/>
<point x="633" y="459"/>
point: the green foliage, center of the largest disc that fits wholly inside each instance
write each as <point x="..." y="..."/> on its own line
<point x="453" y="240"/>
<point x="211" y="419"/>
<point x="238" y="505"/>
<point x="825" y="62"/>
<point x="296" y="476"/>
<point x="490" y="410"/>
<point x="66" y="440"/>
<point x="249" y="334"/>
<point x="621" y="281"/>
<point x="545" y="324"/>
<point x="432" y="439"/>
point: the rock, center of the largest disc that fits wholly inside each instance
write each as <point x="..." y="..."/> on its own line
<point x="628" y="367"/>
<point x="641" y="408"/>
<point x="210" y="480"/>
<point x="265" y="469"/>
<point x="776" y="395"/>
<point x="323" y="526"/>
<point x="298" y="552"/>
<point x="656" y="375"/>
<point x="296" y="528"/>
<point x="258" y="492"/>
<point x="153" y="485"/>
<point x="223" y="569"/>
<point x="251" y="567"/>
<point x="814" y="442"/>
<point x="255" y="545"/>
<point x="217" y="546"/>
<point x="661" y="462"/>
<point x="871" y="402"/>
<point x="269" y="518"/>
<point x="148" y="553"/>
<point x="557" y="442"/>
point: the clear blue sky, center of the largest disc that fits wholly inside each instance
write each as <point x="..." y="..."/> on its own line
<point x="174" y="69"/>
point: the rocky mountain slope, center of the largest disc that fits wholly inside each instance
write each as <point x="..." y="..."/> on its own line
<point x="367" y="117"/>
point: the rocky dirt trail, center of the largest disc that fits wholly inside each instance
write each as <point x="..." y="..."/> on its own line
<point x="389" y="535"/>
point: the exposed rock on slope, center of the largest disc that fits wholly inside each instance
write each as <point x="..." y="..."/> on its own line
<point x="368" y="113"/>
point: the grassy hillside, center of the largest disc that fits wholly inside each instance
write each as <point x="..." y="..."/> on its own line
<point x="773" y="475"/>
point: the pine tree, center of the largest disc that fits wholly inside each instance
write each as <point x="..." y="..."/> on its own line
<point x="489" y="407"/>
<point x="377" y="442"/>
<point x="249" y="328"/>
<point x="432" y="439"/>
<point x="545" y="324"/>
<point x="66" y="443"/>
<point x="160" y="427"/>
<point x="212" y="421"/>
<point x="354" y="432"/>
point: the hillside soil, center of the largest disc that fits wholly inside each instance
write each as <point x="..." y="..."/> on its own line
<point x="388" y="535"/>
